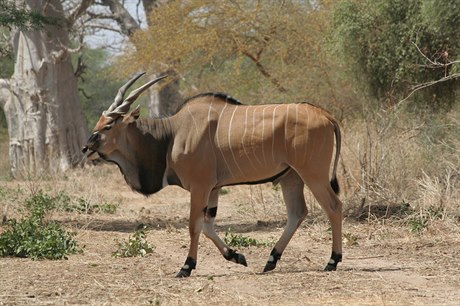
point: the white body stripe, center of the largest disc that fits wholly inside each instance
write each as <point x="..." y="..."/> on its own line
<point x="243" y="139"/>
<point x="285" y="140"/>
<point x="295" y="130"/>
<point x="218" y="141"/>
<point x="252" y="135"/>
<point x="193" y="119"/>
<point x="273" y="133"/>
<point x="230" y="140"/>
<point x="263" y="132"/>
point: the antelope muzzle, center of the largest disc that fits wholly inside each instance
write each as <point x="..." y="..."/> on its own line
<point x="92" y="144"/>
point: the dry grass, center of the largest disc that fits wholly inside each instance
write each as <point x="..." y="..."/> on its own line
<point x="391" y="165"/>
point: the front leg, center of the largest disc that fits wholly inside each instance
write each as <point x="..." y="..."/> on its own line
<point x="198" y="205"/>
<point x="210" y="232"/>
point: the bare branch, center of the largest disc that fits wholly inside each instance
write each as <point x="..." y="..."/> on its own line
<point x="83" y="92"/>
<point x="98" y="16"/>
<point x="105" y="28"/>
<point x="79" y="11"/>
<point x="428" y="84"/>
<point x="127" y="23"/>
<point x="260" y="67"/>
<point x="435" y="63"/>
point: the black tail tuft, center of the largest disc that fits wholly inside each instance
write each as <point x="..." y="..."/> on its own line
<point x="335" y="185"/>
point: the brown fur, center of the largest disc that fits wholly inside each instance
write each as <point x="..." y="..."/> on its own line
<point x="213" y="142"/>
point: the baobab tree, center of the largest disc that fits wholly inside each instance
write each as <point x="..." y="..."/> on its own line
<point x="46" y="127"/>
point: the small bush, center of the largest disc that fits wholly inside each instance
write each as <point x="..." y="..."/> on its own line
<point x="35" y="238"/>
<point x="81" y="205"/>
<point x="31" y="238"/>
<point x="137" y="245"/>
<point x="420" y="221"/>
<point x="107" y="208"/>
<point x="238" y="240"/>
<point x="417" y="224"/>
<point x="224" y="191"/>
<point x="38" y="204"/>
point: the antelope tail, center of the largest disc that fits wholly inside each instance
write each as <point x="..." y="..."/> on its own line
<point x="338" y="140"/>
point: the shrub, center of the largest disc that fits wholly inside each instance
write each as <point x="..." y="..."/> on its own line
<point x="137" y="245"/>
<point x="63" y="201"/>
<point x="34" y="237"/>
<point x="238" y="240"/>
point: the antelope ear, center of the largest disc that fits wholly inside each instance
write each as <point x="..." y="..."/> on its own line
<point x="132" y="116"/>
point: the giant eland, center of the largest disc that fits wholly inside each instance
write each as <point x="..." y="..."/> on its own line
<point x="214" y="141"/>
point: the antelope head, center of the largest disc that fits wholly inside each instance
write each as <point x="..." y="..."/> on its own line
<point x="110" y="130"/>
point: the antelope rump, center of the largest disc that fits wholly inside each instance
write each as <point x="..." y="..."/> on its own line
<point x="214" y="141"/>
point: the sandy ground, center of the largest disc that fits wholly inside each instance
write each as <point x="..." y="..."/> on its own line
<point x="384" y="263"/>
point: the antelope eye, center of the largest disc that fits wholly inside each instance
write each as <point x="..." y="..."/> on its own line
<point x="107" y="127"/>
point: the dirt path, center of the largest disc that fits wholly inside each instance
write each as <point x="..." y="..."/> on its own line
<point x="383" y="264"/>
<point x="396" y="273"/>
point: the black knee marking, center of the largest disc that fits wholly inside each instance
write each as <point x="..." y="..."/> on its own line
<point x="212" y="212"/>
<point x="272" y="260"/>
<point x="235" y="257"/>
<point x="332" y="264"/>
<point x="186" y="270"/>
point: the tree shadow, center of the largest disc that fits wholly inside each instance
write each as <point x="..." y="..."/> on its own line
<point x="128" y="226"/>
<point x="379" y="269"/>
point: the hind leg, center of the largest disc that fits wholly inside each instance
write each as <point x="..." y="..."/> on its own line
<point x="331" y="204"/>
<point x="292" y="187"/>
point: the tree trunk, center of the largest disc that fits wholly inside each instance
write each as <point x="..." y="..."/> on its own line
<point x="165" y="101"/>
<point x="46" y="126"/>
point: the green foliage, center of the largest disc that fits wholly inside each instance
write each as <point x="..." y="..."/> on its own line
<point x="6" y="63"/>
<point x="420" y="222"/>
<point x="224" y="191"/>
<point x="39" y="203"/>
<point x="137" y="245"/>
<point x="378" y="40"/>
<point x="64" y="202"/>
<point x="34" y="237"/>
<point x="238" y="240"/>
<point x="107" y="208"/>
<point x="12" y="15"/>
<point x="417" y="224"/>
<point x="30" y="237"/>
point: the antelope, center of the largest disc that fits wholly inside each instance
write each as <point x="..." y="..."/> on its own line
<point x="214" y="141"/>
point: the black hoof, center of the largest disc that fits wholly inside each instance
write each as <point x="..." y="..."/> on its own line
<point x="269" y="266"/>
<point x="236" y="257"/>
<point x="183" y="273"/>
<point x="241" y="260"/>
<point x="186" y="270"/>
<point x="330" y="267"/>
<point x="271" y="263"/>
<point x="332" y="264"/>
